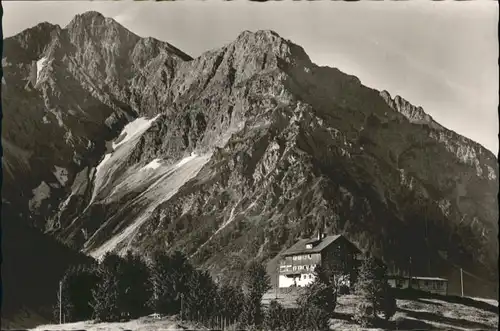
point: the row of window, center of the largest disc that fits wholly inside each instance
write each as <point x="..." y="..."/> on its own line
<point x="304" y="267"/>
<point x="302" y="257"/>
<point x="427" y="283"/>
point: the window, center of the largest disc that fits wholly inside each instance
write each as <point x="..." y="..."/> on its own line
<point x="426" y="283"/>
<point x="310" y="256"/>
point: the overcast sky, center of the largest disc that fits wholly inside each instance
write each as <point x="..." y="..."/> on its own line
<point x="442" y="56"/>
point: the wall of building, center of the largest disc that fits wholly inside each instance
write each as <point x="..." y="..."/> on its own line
<point x="300" y="280"/>
<point x="431" y="286"/>
<point x="398" y="283"/>
<point x="341" y="252"/>
<point x="439" y="287"/>
<point x="343" y="255"/>
<point x="299" y="263"/>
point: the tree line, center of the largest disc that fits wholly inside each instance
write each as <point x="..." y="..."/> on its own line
<point x="123" y="288"/>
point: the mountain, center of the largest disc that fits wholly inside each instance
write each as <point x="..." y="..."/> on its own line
<point x="115" y="142"/>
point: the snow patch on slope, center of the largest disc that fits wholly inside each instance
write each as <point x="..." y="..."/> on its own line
<point x="119" y="150"/>
<point x="161" y="188"/>
<point x="40" y="64"/>
<point x="155" y="164"/>
<point x="133" y="129"/>
<point x="40" y="193"/>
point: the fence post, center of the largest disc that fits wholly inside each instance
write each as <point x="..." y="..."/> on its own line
<point x="60" y="302"/>
<point x="462" y="281"/>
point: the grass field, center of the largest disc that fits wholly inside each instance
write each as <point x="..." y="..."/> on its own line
<point x="415" y="312"/>
<point x="418" y="312"/>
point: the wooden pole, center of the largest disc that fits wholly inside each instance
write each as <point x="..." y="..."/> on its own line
<point x="60" y="302"/>
<point x="409" y="275"/>
<point x="462" y="281"/>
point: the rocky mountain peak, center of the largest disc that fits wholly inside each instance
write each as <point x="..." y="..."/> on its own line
<point x="30" y="43"/>
<point x="89" y="18"/>
<point x="415" y="114"/>
<point x="94" y="26"/>
<point x="271" y="43"/>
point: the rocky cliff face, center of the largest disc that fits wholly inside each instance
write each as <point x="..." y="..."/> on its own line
<point x="233" y="155"/>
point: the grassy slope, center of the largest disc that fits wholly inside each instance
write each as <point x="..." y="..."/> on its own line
<point x="141" y="324"/>
<point x="445" y="313"/>
<point x="424" y="313"/>
<point x="427" y="314"/>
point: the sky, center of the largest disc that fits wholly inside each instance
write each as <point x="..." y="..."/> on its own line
<point x="441" y="55"/>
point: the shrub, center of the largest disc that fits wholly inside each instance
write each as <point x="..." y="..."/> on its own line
<point x="320" y="296"/>
<point x="363" y="313"/>
<point x="274" y="317"/>
<point x="313" y="318"/>
<point x="388" y="304"/>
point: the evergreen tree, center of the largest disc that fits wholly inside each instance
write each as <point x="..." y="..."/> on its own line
<point x="231" y="301"/>
<point x="256" y="282"/>
<point x="135" y="286"/>
<point x="77" y="284"/>
<point x="200" y="298"/>
<point x="162" y="300"/>
<point x="170" y="275"/>
<point x="274" y="317"/>
<point x="374" y="291"/>
<point x="105" y="301"/>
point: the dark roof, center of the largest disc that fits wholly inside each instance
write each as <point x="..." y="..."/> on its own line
<point x="300" y="246"/>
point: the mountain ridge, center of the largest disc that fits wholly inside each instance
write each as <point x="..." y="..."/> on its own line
<point x="233" y="155"/>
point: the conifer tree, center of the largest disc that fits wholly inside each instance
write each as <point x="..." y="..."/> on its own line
<point x="200" y="298"/>
<point x="162" y="300"/>
<point x="231" y="301"/>
<point x="105" y="301"/>
<point x="274" y="317"/>
<point x="169" y="275"/>
<point x="77" y="284"/>
<point x="256" y="282"/>
<point x="374" y="291"/>
<point x="135" y="286"/>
